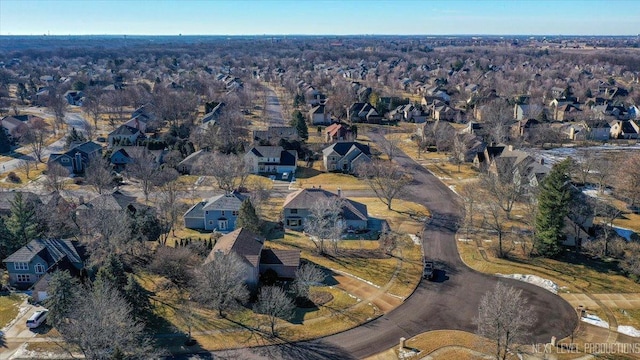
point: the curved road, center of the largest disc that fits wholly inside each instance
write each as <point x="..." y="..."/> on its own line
<point x="449" y="302"/>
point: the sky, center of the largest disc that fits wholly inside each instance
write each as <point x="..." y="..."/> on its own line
<point x="319" y="17"/>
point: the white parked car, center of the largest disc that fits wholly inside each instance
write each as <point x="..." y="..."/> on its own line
<point x="37" y="319"/>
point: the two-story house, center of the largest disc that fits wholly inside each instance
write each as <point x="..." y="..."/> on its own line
<point x="297" y="207"/>
<point x="255" y="258"/>
<point x="125" y="135"/>
<point x="78" y="158"/>
<point x="271" y="160"/>
<point x="345" y="156"/>
<point x="218" y="213"/>
<point x="33" y="260"/>
<point x="319" y="116"/>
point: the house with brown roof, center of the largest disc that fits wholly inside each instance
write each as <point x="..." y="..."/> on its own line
<point x="337" y="132"/>
<point x="257" y="260"/>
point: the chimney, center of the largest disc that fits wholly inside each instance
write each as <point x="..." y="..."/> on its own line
<point x="339" y="192"/>
<point x="510" y="147"/>
<point x="541" y="161"/>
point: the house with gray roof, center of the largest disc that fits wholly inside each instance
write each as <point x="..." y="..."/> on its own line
<point x="78" y="158"/>
<point x="297" y="207"/>
<point x="32" y="261"/>
<point x="218" y="213"/>
<point x="345" y="156"/>
<point x="125" y="135"/>
<point x="271" y="160"/>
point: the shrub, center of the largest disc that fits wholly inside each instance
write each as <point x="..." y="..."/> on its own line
<point x="13" y="178"/>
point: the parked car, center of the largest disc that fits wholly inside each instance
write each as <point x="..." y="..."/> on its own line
<point x="37" y="319"/>
<point x="429" y="268"/>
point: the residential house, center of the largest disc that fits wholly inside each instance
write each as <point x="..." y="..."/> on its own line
<point x="13" y="124"/>
<point x="32" y="261"/>
<point x="271" y="160"/>
<point x="274" y="134"/>
<point x="565" y="112"/>
<point x="121" y="156"/>
<point x="444" y="113"/>
<point x="190" y="164"/>
<point x="125" y="135"/>
<point x="345" y="156"/>
<point x="115" y="201"/>
<point x="337" y="132"/>
<point x="74" y="98"/>
<point x="471" y="144"/>
<point x="297" y="207"/>
<point x="624" y="129"/>
<point x="256" y="259"/>
<point x="143" y="118"/>
<point x="599" y="131"/>
<point x="409" y="113"/>
<point x="363" y="112"/>
<point x="524" y="111"/>
<point x="318" y="115"/>
<point x="218" y="213"/>
<point x="524" y="128"/>
<point x="213" y="115"/>
<point x="519" y="167"/>
<point x="78" y="158"/>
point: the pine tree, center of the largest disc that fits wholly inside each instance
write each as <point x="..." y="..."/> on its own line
<point x="112" y="273"/>
<point x="136" y="296"/>
<point x="247" y="217"/>
<point x="22" y="223"/>
<point x="62" y="291"/>
<point x="300" y="124"/>
<point x="553" y="206"/>
<point x="5" y="145"/>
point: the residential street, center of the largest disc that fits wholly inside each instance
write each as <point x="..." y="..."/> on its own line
<point x="449" y="302"/>
<point x="274" y="108"/>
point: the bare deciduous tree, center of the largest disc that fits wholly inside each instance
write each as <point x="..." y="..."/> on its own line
<point x="628" y="179"/>
<point x="169" y="194"/>
<point x="220" y="284"/>
<point x="505" y="318"/>
<point x="34" y="136"/>
<point x="101" y="325"/>
<point x="98" y="175"/>
<point x="25" y="164"/>
<point x="307" y="275"/>
<point x="324" y="222"/>
<point x="274" y="303"/>
<point x="144" y="168"/>
<point x="386" y="179"/>
<point x="230" y="171"/>
<point x="497" y="116"/>
<point x="56" y="177"/>
<point x="506" y="192"/>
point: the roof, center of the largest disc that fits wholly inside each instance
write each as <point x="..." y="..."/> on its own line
<point x="191" y="159"/>
<point x="125" y="130"/>
<point x="114" y="201"/>
<point x="6" y="197"/>
<point x="287" y="157"/>
<point x="319" y="109"/>
<point x="242" y="242"/>
<point x="88" y="147"/>
<point x="231" y="201"/>
<point x="51" y="250"/>
<point x="280" y="257"/>
<point x="305" y="198"/>
<point x="343" y="147"/>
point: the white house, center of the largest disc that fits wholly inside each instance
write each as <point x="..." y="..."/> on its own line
<point x="271" y="160"/>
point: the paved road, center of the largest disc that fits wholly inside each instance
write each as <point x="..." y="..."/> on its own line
<point x="449" y="302"/>
<point x="73" y="120"/>
<point x="274" y="108"/>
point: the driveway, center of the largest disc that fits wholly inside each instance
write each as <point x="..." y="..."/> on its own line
<point x="17" y="334"/>
<point x="449" y="302"/>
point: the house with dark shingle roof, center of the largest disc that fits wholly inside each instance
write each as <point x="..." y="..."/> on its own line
<point x="35" y="259"/>
<point x="218" y="213"/>
<point x="345" y="156"/>
<point x="125" y="135"/>
<point x="271" y="160"/>
<point x="78" y="158"/>
<point x="297" y="207"/>
<point x="257" y="260"/>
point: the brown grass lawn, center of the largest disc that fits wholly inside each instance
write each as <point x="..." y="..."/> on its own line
<point x="9" y="306"/>
<point x="405" y="217"/>
<point x="331" y="181"/>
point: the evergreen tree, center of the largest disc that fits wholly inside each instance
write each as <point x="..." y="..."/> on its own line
<point x="22" y="223"/>
<point x="300" y="124"/>
<point x="136" y="296"/>
<point x="6" y="240"/>
<point x="247" y="217"/>
<point x="62" y="291"/>
<point x="553" y="206"/>
<point x="112" y="273"/>
<point x="5" y="145"/>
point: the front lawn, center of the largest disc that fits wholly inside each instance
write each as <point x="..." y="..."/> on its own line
<point x="9" y="307"/>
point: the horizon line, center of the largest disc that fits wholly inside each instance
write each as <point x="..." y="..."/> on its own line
<point x="341" y="35"/>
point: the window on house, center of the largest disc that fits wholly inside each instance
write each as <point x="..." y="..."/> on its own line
<point x="39" y="269"/>
<point x="21" y="266"/>
<point x="294" y="211"/>
<point x="210" y="222"/>
<point x="64" y="160"/>
<point x="206" y="213"/>
<point x="222" y="212"/>
<point x="222" y="224"/>
<point x="235" y="213"/>
<point x="23" y="278"/>
<point x="293" y="222"/>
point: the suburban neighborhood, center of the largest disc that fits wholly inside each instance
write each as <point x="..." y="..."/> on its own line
<point x="319" y="197"/>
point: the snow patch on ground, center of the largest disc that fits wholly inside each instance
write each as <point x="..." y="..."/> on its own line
<point x="453" y="188"/>
<point x="535" y="280"/>
<point x="629" y="330"/>
<point x="415" y="239"/>
<point x="24" y="307"/>
<point x="595" y="320"/>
